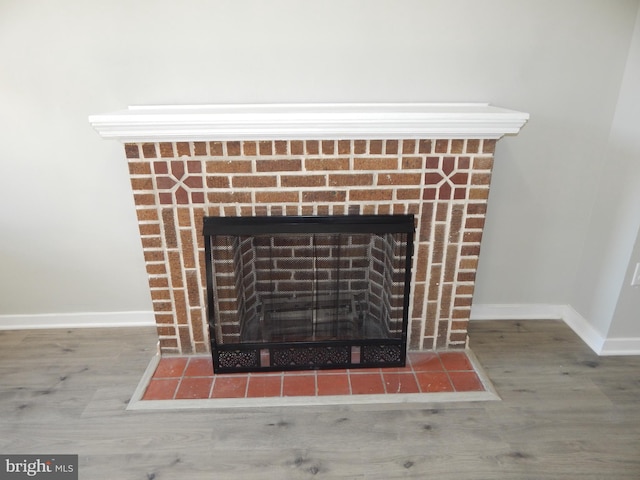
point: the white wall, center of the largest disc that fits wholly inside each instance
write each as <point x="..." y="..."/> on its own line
<point x="603" y="292"/>
<point x="69" y="241"/>
<point x="625" y="323"/>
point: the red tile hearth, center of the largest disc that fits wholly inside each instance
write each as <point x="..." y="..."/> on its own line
<point x="180" y="378"/>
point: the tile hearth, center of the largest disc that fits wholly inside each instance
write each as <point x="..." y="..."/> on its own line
<point x="189" y="382"/>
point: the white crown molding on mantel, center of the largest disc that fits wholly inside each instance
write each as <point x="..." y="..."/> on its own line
<point x="327" y="121"/>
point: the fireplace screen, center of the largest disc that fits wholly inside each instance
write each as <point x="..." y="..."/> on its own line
<point x="292" y="293"/>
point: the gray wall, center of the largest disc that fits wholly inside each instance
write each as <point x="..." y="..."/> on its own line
<point x="602" y="290"/>
<point x="69" y="240"/>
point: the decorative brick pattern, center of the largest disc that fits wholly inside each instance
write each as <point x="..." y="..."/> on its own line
<point x="444" y="182"/>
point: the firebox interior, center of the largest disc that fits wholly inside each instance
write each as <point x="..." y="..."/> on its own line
<point x="308" y="292"/>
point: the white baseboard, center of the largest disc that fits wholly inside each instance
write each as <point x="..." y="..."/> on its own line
<point x="523" y="311"/>
<point x="77" y="320"/>
<point x="583" y="329"/>
<point x="589" y="335"/>
<point x="621" y="346"/>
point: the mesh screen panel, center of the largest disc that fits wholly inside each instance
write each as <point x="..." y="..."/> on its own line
<point x="297" y="287"/>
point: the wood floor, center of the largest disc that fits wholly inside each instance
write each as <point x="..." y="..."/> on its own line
<point x="565" y="414"/>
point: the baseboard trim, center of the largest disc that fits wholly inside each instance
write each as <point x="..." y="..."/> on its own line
<point x="621" y="346"/>
<point x="77" y="320"/>
<point x="583" y="328"/>
<point x="524" y="311"/>
<point x="569" y="315"/>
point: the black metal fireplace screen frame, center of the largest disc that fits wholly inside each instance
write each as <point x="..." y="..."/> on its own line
<point x="307" y="355"/>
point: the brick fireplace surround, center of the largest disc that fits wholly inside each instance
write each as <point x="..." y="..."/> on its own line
<point x="431" y="160"/>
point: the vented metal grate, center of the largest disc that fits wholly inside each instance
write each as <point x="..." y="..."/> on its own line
<point x="308" y="292"/>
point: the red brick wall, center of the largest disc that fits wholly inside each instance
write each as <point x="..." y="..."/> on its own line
<point x="444" y="182"/>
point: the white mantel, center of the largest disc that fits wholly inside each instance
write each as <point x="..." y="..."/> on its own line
<point x="308" y="121"/>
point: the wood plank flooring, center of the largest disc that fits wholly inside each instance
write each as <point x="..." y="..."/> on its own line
<point x="565" y="414"/>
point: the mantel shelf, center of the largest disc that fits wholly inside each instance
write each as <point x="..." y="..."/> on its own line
<point x="308" y="121"/>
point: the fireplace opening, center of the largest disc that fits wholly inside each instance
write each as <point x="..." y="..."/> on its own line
<point x="296" y="293"/>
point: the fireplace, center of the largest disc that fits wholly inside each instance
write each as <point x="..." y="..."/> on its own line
<point x="432" y="161"/>
<point x="308" y="292"/>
